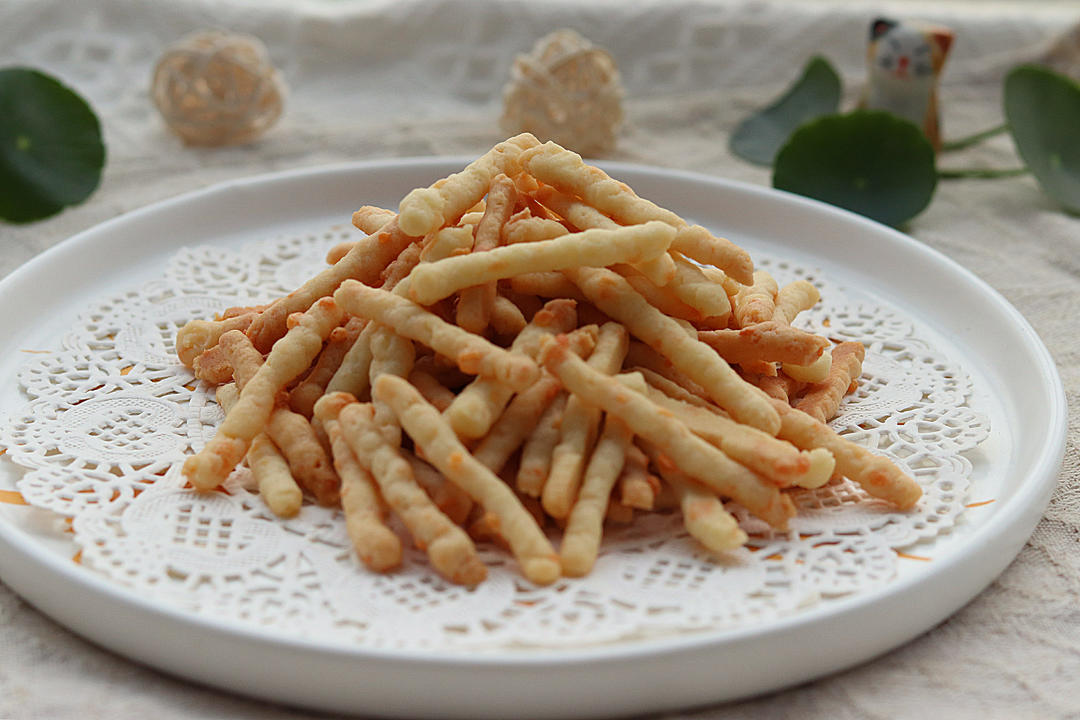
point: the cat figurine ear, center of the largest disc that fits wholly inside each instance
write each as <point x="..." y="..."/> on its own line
<point x="904" y="62"/>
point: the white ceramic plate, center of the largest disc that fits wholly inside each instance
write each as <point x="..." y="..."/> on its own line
<point x="972" y="323"/>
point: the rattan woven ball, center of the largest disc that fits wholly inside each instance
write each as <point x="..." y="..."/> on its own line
<point x="216" y="88"/>
<point x="567" y="90"/>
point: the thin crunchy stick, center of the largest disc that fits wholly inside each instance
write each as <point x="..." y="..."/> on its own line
<point x="477" y="407"/>
<point x="776" y="460"/>
<point x="612" y="294"/>
<point x="447" y="242"/>
<point x="703" y="514"/>
<point x="637" y="486"/>
<point x="670" y="388"/>
<point x="449" y="548"/>
<point x="506" y="318"/>
<point x="364" y="262"/>
<point x="699" y="292"/>
<point x="780" y="387"/>
<point x="579" y="426"/>
<point x="375" y="544"/>
<point x="595" y="248"/>
<point x="767" y="341"/>
<point x="567" y="172"/>
<point x="309" y="463"/>
<point x="663" y="299"/>
<point x="822" y="401"/>
<point x="303" y="397"/>
<point x="694" y="456"/>
<point x="290" y="356"/>
<point x="523" y="413"/>
<point x="447" y="496"/>
<point x="875" y="473"/>
<point x="660" y="270"/>
<point x="755" y="303"/>
<point x="198" y="336"/>
<point x="793" y="298"/>
<point x="525" y="229"/>
<point x="433" y="391"/>
<point x="441" y="448"/>
<point x="536" y="454"/>
<point x="584" y="526"/>
<point x="424" y="210"/>
<point x="371" y="219"/>
<point x="547" y="285"/>
<point x="640" y="355"/>
<point x="277" y="487"/>
<point x="472" y="353"/>
<point x="476" y="303"/>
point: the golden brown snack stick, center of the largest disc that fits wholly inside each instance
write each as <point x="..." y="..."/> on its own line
<point x="524" y="412"/>
<point x="815" y="372"/>
<point x="277" y="487"/>
<point x="371" y="219"/>
<point x="697" y="243"/>
<point x="365" y="511"/>
<point x="198" y="336"/>
<point x="778" y="461"/>
<point x="547" y="285"/>
<point x="822" y="401"/>
<point x="793" y="298"/>
<point x="585" y="524"/>
<point x="506" y="319"/>
<point x="353" y="374"/>
<point x="476" y="304"/>
<point x="595" y="248"/>
<point x="660" y="270"/>
<point x="450" y="550"/>
<point x="703" y="514"/>
<point x="579" y="426"/>
<point x="637" y="486"/>
<point x="525" y="229"/>
<point x="699" y="292"/>
<point x="527" y="304"/>
<point x="780" y="386"/>
<point x="536" y="454"/>
<point x="477" y="407"/>
<point x="303" y="397"/>
<point x="767" y="341"/>
<point x="238" y="310"/>
<point x="875" y="473"/>
<point x="364" y="262"/>
<point x="441" y="448"/>
<point x="433" y="391"/>
<point x="612" y="294"/>
<point x="391" y="354"/>
<point x="565" y="171"/>
<point x="472" y="353"/>
<point x="292" y="433"/>
<point x="691" y="454"/>
<point x="639" y="355"/>
<point x="212" y="365"/>
<point x="755" y="303"/>
<point x="424" y="210"/>
<point x="339" y="251"/>
<point x="290" y="356"/>
<point x="663" y="299"/>
<point x="447" y="496"/>
<point x="447" y="242"/>
<point x="402" y="265"/>
<point x="672" y="389"/>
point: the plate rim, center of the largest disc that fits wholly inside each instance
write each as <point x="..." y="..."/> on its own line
<point x="1016" y="519"/>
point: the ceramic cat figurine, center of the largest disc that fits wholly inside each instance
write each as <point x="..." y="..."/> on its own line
<point x="905" y="61"/>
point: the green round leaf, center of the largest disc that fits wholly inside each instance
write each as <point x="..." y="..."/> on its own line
<point x="758" y="138"/>
<point x="867" y="161"/>
<point x="51" y="152"/>
<point x="1043" y="110"/>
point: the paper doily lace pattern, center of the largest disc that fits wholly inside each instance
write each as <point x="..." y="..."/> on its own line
<point x="111" y="415"/>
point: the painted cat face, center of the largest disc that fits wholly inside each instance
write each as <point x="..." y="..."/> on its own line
<point x="907" y="52"/>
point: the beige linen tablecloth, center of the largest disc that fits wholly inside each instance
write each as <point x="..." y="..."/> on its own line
<point x="383" y="78"/>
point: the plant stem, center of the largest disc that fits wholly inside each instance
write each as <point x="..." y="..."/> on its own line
<point x="981" y="173"/>
<point x="970" y="140"/>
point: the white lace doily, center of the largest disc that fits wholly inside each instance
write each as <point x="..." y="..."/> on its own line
<point x="112" y="414"/>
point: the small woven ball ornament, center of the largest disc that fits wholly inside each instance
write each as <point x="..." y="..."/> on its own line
<point x="567" y="90"/>
<point x="216" y="88"/>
